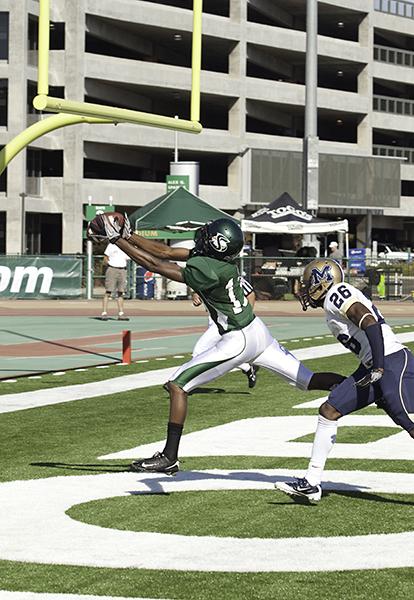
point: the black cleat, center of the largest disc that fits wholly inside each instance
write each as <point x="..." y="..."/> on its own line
<point x="159" y="463"/>
<point x="300" y="487"/>
<point x="251" y="375"/>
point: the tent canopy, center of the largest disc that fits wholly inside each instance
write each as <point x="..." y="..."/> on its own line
<point x="284" y="215"/>
<point x="176" y="211"/>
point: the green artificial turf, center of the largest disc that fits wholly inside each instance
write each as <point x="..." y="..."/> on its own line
<point x="66" y="439"/>
<point x="247" y="514"/>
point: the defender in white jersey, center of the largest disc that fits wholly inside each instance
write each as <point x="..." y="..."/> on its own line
<point x="385" y="375"/>
<point x="212" y="335"/>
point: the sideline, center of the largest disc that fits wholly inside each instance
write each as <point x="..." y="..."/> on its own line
<point x="57" y="395"/>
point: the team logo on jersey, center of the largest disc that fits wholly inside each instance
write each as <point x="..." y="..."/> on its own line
<point x="317" y="275"/>
<point x="219" y="242"/>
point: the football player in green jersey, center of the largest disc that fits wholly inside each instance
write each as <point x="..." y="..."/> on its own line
<point x="210" y="271"/>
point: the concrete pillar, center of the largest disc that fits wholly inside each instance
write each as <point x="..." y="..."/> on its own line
<point x="17" y="115"/>
<point x="73" y="144"/>
<point x="237" y="69"/>
<point x="366" y="39"/>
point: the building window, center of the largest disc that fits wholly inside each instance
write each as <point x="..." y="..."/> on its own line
<point x="43" y="233"/>
<point x="4" y="36"/>
<point x="57" y="34"/>
<point x="4" y="85"/>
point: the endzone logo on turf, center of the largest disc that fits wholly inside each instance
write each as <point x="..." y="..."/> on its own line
<point x="15" y="279"/>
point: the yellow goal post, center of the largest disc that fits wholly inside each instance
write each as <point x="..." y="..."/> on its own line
<point x="119" y="115"/>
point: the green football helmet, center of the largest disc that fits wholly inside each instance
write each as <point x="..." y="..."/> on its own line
<point x="221" y="239"/>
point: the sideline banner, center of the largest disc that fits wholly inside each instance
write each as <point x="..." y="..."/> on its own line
<point x="40" y="277"/>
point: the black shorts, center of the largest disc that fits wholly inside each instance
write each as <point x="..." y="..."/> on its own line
<point x="396" y="388"/>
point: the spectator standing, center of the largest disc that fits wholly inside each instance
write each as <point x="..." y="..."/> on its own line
<point x="115" y="262"/>
<point x="334" y="252"/>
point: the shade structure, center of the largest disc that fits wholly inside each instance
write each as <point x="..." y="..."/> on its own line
<point x="176" y="211"/>
<point x="284" y="215"/>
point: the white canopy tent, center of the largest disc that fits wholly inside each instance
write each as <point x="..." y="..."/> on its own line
<point x="284" y="215"/>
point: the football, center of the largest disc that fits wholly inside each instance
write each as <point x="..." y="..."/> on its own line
<point x="96" y="228"/>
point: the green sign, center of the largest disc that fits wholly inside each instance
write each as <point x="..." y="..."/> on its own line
<point x="40" y="277"/>
<point x="176" y="181"/>
<point x="162" y="234"/>
<point x="91" y="210"/>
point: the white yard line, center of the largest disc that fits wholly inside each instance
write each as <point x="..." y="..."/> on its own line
<point x="275" y="436"/>
<point x="68" y="393"/>
<point x="36" y="529"/>
<point x="57" y="395"/>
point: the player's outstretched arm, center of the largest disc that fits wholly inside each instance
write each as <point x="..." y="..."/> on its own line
<point x="150" y="262"/>
<point x="159" y="249"/>
<point x="363" y="318"/>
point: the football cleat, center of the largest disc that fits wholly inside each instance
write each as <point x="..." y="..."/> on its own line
<point x="300" y="487"/>
<point x="251" y="376"/>
<point x="159" y="463"/>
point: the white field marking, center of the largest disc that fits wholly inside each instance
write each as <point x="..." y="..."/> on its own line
<point x="312" y="403"/>
<point x="80" y="370"/>
<point x="35" y="377"/>
<point x="24" y="400"/>
<point x="102" y="367"/>
<point x="274" y="436"/>
<point x="57" y="373"/>
<point x="46" y="596"/>
<point x="36" y="529"/>
<point x="9" y="380"/>
<point x="178" y="356"/>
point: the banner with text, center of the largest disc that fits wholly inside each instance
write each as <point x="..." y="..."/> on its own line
<point x="40" y="277"/>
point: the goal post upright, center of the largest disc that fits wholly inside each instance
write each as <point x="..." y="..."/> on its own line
<point x="43" y="48"/>
<point x="196" y="60"/>
<point x="73" y="113"/>
<point x="120" y="115"/>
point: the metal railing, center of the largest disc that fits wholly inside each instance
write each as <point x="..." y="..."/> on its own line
<point x="394" y="56"/>
<point x="273" y="278"/>
<point x="396" y="106"/>
<point x="394" y="151"/>
<point x="400" y="8"/>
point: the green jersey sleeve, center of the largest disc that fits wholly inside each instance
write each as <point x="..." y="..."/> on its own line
<point x="199" y="275"/>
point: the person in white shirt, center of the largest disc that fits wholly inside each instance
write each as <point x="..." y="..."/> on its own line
<point x="385" y="375"/>
<point x="115" y="261"/>
<point x="334" y="252"/>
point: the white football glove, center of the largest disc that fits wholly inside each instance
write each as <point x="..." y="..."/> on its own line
<point x="372" y="377"/>
<point x="126" y="228"/>
<point x="113" y="229"/>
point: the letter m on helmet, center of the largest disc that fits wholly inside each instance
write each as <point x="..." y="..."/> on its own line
<point x="319" y="275"/>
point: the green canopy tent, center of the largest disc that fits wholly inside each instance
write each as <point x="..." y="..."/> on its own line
<point x="175" y="215"/>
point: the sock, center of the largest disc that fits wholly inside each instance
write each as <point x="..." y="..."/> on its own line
<point x="174" y="431"/>
<point x="325" y="437"/>
<point x="245" y="367"/>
